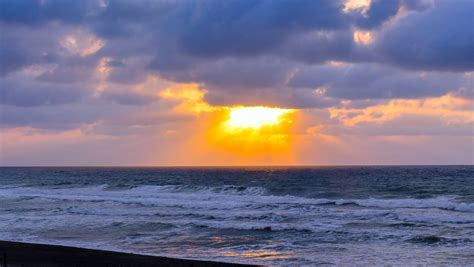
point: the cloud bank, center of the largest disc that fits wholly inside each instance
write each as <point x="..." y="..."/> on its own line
<point x="100" y="67"/>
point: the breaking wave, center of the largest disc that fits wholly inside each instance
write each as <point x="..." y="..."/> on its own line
<point x="226" y="195"/>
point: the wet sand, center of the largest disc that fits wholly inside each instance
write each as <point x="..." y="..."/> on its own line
<point x="14" y="254"/>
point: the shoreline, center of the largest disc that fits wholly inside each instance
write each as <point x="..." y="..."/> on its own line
<point x="14" y="253"/>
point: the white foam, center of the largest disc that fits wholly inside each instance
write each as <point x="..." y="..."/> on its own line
<point x="32" y="213"/>
<point x="225" y="196"/>
<point x="447" y="203"/>
<point x="231" y="207"/>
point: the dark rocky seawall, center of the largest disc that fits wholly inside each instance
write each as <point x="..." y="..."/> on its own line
<point x="15" y="254"/>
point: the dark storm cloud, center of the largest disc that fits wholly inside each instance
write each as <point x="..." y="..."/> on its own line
<point x="466" y="89"/>
<point x="97" y="116"/>
<point x="231" y="73"/>
<point x="248" y="28"/>
<point x="183" y="32"/>
<point x="129" y="98"/>
<point x="34" y="13"/>
<point x="62" y="117"/>
<point x="378" y="12"/>
<point x="240" y="51"/>
<point x="381" y="11"/>
<point x="29" y="93"/>
<point x="70" y="70"/>
<point x="285" y="98"/>
<point x="123" y="19"/>
<point x="318" y="47"/>
<point x="23" y="46"/>
<point x="12" y="59"/>
<point x="440" y="38"/>
<point x="127" y="72"/>
<point x="197" y="31"/>
<point x="372" y="81"/>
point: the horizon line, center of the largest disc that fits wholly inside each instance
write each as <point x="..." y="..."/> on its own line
<point x="232" y="166"/>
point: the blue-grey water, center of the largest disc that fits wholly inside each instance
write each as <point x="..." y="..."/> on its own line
<point x="277" y="216"/>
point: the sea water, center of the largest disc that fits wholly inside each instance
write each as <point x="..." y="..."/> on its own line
<point x="275" y="216"/>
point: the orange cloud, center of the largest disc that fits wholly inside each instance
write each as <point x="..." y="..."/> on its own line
<point x="189" y="96"/>
<point x="81" y="43"/>
<point x="356" y="5"/>
<point x="450" y="108"/>
<point x="363" y="37"/>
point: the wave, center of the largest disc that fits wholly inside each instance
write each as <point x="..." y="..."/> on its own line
<point x="445" y="203"/>
<point x="433" y="239"/>
<point x="225" y="189"/>
<point x="141" y="213"/>
<point x="146" y="194"/>
<point x="223" y="196"/>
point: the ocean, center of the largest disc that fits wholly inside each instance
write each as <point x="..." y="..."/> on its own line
<point x="399" y="216"/>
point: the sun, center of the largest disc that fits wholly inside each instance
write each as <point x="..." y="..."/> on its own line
<point x="254" y="118"/>
<point x="253" y="133"/>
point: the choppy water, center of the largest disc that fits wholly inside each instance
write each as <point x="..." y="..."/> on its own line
<point x="276" y="216"/>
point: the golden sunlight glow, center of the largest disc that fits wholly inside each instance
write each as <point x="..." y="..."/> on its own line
<point x="253" y="132"/>
<point x="243" y="135"/>
<point x="363" y="37"/>
<point x="190" y="96"/>
<point x="352" y="5"/>
<point x="81" y="43"/>
<point x="255" y="117"/>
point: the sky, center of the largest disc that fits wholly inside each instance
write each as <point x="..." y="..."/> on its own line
<point x="264" y="82"/>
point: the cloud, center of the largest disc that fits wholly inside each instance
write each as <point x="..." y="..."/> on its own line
<point x="33" y="93"/>
<point x="37" y="12"/>
<point x="248" y="28"/>
<point x="180" y="33"/>
<point x="376" y="13"/>
<point x="321" y="46"/>
<point x="231" y="73"/>
<point x="373" y="81"/>
<point x="24" y="46"/>
<point x="130" y="98"/>
<point x="445" y="115"/>
<point x="129" y="67"/>
<point x="408" y="125"/>
<point x="440" y="38"/>
<point x="81" y="43"/>
<point x="63" y="117"/>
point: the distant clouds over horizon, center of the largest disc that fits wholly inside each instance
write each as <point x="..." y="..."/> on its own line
<point x="133" y="82"/>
